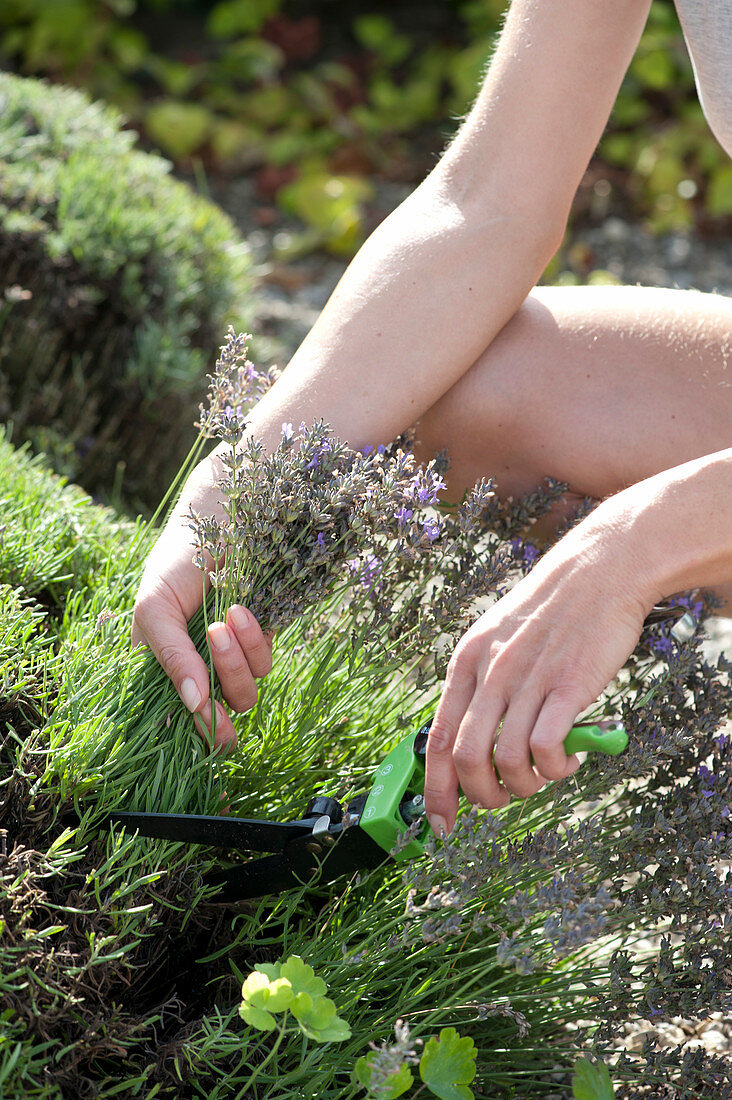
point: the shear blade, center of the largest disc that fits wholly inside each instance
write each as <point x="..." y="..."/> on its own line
<point x="299" y="864"/>
<point x="246" y="834"/>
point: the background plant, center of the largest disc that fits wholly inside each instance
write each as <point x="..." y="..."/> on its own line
<point x="313" y="100"/>
<point x="115" y="278"/>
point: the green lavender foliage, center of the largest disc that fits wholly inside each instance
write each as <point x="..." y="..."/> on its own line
<point x="116" y="280"/>
<point x="53" y="540"/>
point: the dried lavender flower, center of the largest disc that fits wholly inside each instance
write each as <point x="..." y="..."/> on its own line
<point x="387" y="1060"/>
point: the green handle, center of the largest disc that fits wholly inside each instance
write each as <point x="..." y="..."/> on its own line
<point x="401" y="775"/>
<point x="401" y="772"/>
<point x="595" y="739"/>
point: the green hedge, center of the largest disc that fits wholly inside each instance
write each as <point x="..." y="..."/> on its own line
<point x="117" y="282"/>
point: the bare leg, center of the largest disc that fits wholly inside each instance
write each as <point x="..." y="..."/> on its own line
<point x="598" y="386"/>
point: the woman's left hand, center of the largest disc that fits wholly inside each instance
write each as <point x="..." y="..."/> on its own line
<point x="531" y="664"/>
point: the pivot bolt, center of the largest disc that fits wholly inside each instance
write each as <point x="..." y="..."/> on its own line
<point x="413" y="809"/>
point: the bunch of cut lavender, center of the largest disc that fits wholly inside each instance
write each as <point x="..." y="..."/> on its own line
<point x="311" y="518"/>
<point x="426" y="602"/>
<point x="233" y="388"/>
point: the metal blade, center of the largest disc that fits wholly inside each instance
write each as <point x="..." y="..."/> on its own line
<point x="246" y="834"/>
<point x="353" y="851"/>
<point x="664" y="613"/>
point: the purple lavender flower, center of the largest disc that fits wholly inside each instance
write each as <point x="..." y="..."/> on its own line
<point x="425" y="486"/>
<point x="431" y="529"/>
<point x="320" y="541"/>
<point x="696" y="607"/>
<point x="287" y="433"/>
<point x="403" y="516"/>
<point x="531" y="554"/>
<point x="324" y="449"/>
<point x="709" y="778"/>
<point x="526" y="552"/>
<point x="661" y="644"/>
<point x="369" y="571"/>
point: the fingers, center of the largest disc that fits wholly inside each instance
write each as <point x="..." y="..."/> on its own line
<point x="235" y="677"/>
<point x="529" y="748"/>
<point x="473" y="752"/>
<point x="240" y="652"/>
<point x="225" y="737"/>
<point x="553" y="723"/>
<point x="512" y="756"/>
<point x="441" y="778"/>
<point x="164" y="629"/>
<point x="256" y="645"/>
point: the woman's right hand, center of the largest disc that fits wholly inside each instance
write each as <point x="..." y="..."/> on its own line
<point x="170" y="593"/>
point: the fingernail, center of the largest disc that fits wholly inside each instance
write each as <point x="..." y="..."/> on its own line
<point x="219" y="636"/>
<point x="190" y="694"/>
<point x="240" y="617"/>
<point x="438" y="825"/>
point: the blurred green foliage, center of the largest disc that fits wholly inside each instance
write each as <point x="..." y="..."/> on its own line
<point x="326" y="90"/>
<point x="117" y="283"/>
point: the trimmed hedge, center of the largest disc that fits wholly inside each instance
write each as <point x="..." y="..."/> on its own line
<point x="117" y="281"/>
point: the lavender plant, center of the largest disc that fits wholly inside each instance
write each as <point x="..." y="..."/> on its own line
<point x="535" y="932"/>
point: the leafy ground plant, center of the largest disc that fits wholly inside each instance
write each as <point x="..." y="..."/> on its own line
<point x="534" y="933"/>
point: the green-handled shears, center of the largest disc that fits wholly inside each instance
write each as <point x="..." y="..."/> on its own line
<point x="330" y="840"/>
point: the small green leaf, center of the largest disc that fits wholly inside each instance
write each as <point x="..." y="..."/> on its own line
<point x="448" y="1065"/>
<point x="271" y="970"/>
<point x="302" y="1005"/>
<point x="379" y="35"/>
<point x="317" y="1018"/>
<point x="280" y="995"/>
<point x="255" y="985"/>
<point x="262" y="995"/>
<point x="293" y="985"/>
<point x="233" y="17"/>
<point x="178" y="128"/>
<point x="335" y="1032"/>
<point x="395" y="1085"/>
<point x="591" y="1081"/>
<point x="302" y="977"/>
<point x="257" y="1017"/>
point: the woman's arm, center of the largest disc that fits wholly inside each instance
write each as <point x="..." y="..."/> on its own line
<point x="427" y="292"/>
<point x="441" y="276"/>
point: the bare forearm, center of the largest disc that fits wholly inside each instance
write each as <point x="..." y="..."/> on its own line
<point x="678" y="526"/>
<point x="422" y="299"/>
